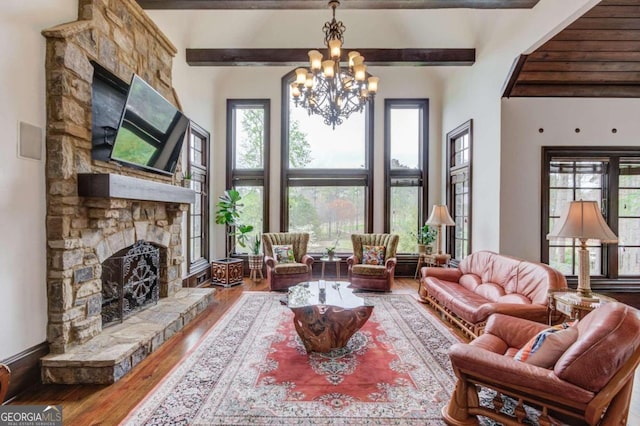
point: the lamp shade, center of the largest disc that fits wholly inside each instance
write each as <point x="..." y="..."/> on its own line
<point x="584" y="221"/>
<point x="440" y="216"/>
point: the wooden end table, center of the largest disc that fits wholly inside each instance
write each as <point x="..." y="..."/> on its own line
<point x="568" y="303"/>
<point x="326" y="314"/>
<point x="431" y="259"/>
<point x="335" y="260"/>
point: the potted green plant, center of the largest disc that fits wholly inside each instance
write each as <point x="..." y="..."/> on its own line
<point x="228" y="271"/>
<point x="331" y="250"/>
<point x="256" y="259"/>
<point x="425" y="237"/>
<point x="186" y="179"/>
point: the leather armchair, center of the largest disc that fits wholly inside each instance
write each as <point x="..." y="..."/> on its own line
<point x="591" y="381"/>
<point x="373" y="277"/>
<point x="281" y="276"/>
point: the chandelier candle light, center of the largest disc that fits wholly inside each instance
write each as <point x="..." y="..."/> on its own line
<point x="582" y="220"/>
<point x="326" y="88"/>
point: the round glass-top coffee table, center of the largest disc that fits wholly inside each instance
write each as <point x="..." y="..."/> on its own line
<point x="326" y="314"/>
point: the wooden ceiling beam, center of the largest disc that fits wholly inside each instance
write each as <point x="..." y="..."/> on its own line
<point x="299" y="57"/>
<point x="345" y="4"/>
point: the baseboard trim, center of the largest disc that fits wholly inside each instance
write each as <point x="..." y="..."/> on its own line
<point x="25" y="369"/>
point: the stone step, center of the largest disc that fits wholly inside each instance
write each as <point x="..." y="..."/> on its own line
<point x="107" y="357"/>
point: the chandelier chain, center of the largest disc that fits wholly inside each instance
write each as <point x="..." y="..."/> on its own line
<point x="326" y="88"/>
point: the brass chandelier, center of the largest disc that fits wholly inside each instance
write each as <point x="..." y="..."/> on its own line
<point x="326" y="88"/>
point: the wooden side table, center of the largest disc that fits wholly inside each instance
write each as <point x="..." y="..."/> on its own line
<point x="424" y="259"/>
<point x="568" y="303"/>
<point x="335" y="260"/>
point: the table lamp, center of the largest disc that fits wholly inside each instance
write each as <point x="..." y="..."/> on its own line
<point x="583" y="220"/>
<point x="440" y="217"/>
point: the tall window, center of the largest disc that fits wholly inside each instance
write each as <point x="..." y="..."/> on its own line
<point x="326" y="175"/>
<point x="406" y="150"/>
<point x="610" y="176"/>
<point x="459" y="144"/>
<point x="248" y="160"/>
<point x="198" y="169"/>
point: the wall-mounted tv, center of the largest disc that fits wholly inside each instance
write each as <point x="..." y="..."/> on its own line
<point x="151" y="130"/>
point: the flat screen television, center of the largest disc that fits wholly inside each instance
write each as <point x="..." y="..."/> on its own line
<point x="151" y="130"/>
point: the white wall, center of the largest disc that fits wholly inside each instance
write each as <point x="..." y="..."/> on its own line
<point x="475" y="93"/>
<point x="208" y="90"/>
<point x="520" y="191"/>
<point x="23" y="299"/>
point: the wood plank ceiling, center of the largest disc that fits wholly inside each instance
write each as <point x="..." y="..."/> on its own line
<point x="598" y="55"/>
<point x="344" y="4"/>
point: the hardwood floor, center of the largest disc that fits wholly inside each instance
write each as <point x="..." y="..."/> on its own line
<point x="109" y="404"/>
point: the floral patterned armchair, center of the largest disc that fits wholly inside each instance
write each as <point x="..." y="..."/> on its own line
<point x="286" y="258"/>
<point x="373" y="263"/>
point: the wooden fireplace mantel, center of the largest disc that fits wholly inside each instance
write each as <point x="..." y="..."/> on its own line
<point x="110" y="185"/>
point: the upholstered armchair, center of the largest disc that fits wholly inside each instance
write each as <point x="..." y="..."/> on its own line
<point x="286" y="267"/>
<point x="373" y="263"/>
<point x="589" y="379"/>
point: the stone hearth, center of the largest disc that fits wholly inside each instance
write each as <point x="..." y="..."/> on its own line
<point x="85" y="229"/>
<point x="107" y="357"/>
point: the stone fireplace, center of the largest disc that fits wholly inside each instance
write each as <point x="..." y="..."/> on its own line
<point x="95" y="208"/>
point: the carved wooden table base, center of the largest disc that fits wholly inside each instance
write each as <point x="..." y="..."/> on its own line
<point x="326" y="327"/>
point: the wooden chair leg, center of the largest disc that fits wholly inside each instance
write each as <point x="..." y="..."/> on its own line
<point x="5" y="378"/>
<point x="456" y="413"/>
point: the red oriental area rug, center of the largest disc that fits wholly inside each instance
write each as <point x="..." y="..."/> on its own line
<point x="251" y="368"/>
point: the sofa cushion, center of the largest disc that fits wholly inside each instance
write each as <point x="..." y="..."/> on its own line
<point x="372" y="255"/>
<point x="283" y="254"/>
<point x="441" y="290"/>
<point x="371" y="270"/>
<point x="546" y="347"/>
<point x="478" y="263"/>
<point x="490" y="291"/>
<point x="470" y="281"/>
<point x="513" y="298"/>
<point x="504" y="272"/>
<point x="291" y="268"/>
<point x="535" y="279"/>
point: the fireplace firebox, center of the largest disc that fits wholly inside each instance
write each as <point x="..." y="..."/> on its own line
<point x="129" y="282"/>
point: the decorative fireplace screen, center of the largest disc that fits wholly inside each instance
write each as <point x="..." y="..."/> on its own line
<point x="129" y="282"/>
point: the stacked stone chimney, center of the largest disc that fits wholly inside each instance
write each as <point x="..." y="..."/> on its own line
<point x="82" y="232"/>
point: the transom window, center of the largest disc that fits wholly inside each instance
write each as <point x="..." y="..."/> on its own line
<point x="326" y="176"/>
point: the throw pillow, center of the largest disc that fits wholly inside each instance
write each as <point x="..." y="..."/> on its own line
<point x="546" y="347"/>
<point x="372" y="255"/>
<point x="283" y="254"/>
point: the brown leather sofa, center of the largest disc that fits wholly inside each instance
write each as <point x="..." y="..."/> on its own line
<point x="485" y="283"/>
<point x="281" y="276"/>
<point x="590" y="382"/>
<point x="377" y="277"/>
